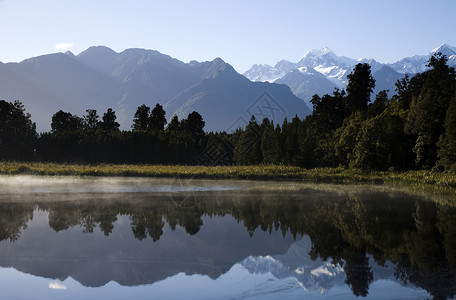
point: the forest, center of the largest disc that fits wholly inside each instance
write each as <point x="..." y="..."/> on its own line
<point x="414" y="129"/>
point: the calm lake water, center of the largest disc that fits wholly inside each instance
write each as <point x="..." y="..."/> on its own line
<point x="130" y="238"/>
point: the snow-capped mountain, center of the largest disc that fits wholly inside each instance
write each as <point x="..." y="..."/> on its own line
<point x="264" y="73"/>
<point x="336" y="68"/>
<point x="417" y="63"/>
<point x="326" y="62"/>
<point x="313" y="275"/>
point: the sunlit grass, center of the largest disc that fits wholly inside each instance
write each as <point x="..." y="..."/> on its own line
<point x="431" y="181"/>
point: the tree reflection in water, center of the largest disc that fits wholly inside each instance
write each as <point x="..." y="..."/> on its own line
<point x="418" y="236"/>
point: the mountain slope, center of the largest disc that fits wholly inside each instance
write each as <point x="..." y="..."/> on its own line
<point x="37" y="100"/>
<point x="385" y="79"/>
<point x="306" y="82"/>
<point x="100" y="78"/>
<point x="238" y="98"/>
<point x="162" y="74"/>
<point x="57" y="81"/>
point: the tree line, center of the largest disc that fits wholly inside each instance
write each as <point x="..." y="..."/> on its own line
<point x="414" y="129"/>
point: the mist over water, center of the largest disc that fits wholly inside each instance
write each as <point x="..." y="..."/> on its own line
<point x="73" y="184"/>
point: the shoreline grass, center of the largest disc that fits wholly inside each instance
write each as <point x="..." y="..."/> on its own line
<point x="428" y="180"/>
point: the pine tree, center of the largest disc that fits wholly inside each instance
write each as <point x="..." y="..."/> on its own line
<point x="108" y="122"/>
<point x="429" y="110"/>
<point x="157" y="120"/>
<point x="270" y="145"/>
<point x="360" y="86"/>
<point x="379" y="104"/>
<point x="17" y="131"/>
<point x="447" y="142"/>
<point x="65" y="122"/>
<point x="90" y="121"/>
<point x="194" y="123"/>
<point x="174" y="125"/>
<point x="247" y="150"/>
<point x="141" y="118"/>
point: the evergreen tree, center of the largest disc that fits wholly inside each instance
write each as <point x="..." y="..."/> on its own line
<point x="346" y="138"/>
<point x="65" y="122"/>
<point x="247" y="150"/>
<point x="360" y="86"/>
<point x="174" y="125"/>
<point x="379" y="104"/>
<point x="17" y="131"/>
<point x="429" y="110"/>
<point x="317" y="142"/>
<point x="108" y="122"/>
<point x="447" y="142"/>
<point x="270" y="145"/>
<point x="329" y="111"/>
<point x="90" y="121"/>
<point x="194" y="123"/>
<point x="371" y="149"/>
<point x="408" y="89"/>
<point x="157" y="119"/>
<point x="141" y="118"/>
<point x="291" y="145"/>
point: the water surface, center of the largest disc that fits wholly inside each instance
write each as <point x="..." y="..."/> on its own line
<point x="137" y="238"/>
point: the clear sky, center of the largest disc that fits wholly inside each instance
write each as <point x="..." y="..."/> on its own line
<point x="242" y="32"/>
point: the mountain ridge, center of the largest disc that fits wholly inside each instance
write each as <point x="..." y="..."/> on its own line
<point x="100" y="78"/>
<point x="336" y="68"/>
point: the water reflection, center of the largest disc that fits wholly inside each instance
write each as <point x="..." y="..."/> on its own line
<point x="320" y="238"/>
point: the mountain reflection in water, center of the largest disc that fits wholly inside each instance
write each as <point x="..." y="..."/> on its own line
<point x="321" y="238"/>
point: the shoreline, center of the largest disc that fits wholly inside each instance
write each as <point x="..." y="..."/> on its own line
<point x="435" y="182"/>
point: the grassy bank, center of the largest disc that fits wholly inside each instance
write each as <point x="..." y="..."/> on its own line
<point x="437" y="182"/>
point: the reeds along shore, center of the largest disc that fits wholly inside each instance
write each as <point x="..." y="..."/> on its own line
<point x="428" y="180"/>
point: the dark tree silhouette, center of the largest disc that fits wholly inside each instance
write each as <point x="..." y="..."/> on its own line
<point x="91" y="120"/>
<point x="174" y="124"/>
<point x="141" y="118"/>
<point x="429" y="110"/>
<point x="248" y="149"/>
<point x="194" y="123"/>
<point x="157" y="119"/>
<point x="108" y="122"/>
<point x="65" y="121"/>
<point x="360" y="86"/>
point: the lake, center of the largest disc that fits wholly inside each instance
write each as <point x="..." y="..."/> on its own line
<point x="143" y="238"/>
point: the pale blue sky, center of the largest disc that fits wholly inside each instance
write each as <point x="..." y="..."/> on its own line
<point x="240" y="32"/>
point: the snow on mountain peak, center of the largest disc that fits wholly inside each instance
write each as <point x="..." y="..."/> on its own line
<point x="318" y="53"/>
<point x="307" y="71"/>
<point x="418" y="63"/>
<point x="327" y="269"/>
<point x="445" y="49"/>
<point x="336" y="68"/>
<point x="263" y="72"/>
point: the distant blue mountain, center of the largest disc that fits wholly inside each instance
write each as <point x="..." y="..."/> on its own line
<point x="99" y="78"/>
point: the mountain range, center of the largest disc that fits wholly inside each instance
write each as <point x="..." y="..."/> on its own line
<point x="321" y="71"/>
<point x="100" y="78"/>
